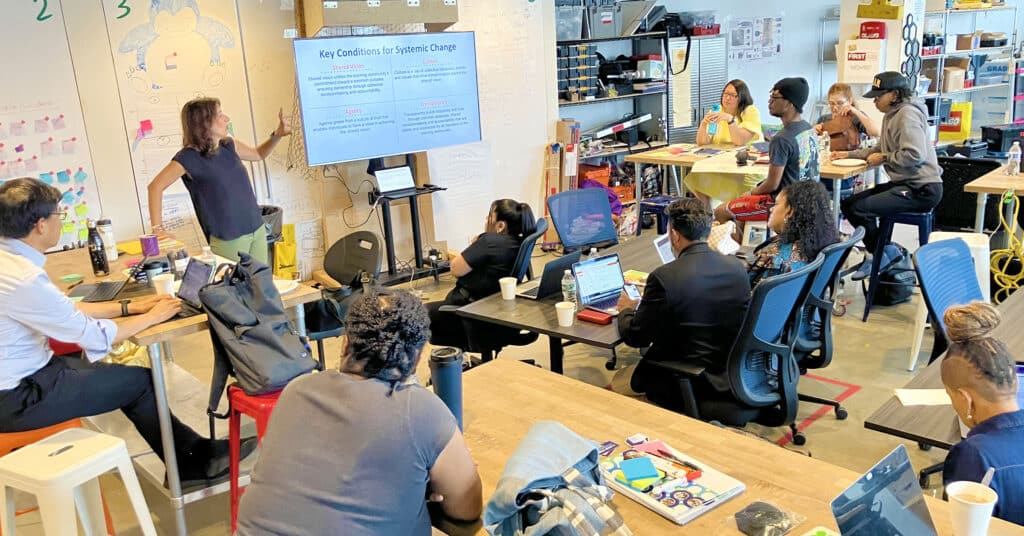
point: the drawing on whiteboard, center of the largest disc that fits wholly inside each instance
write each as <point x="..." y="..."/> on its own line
<point x="309" y="242"/>
<point x="174" y="31"/>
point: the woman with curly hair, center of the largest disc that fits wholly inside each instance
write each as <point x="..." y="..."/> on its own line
<point x="802" y="220"/>
<point x="357" y="450"/>
<point x="980" y="376"/>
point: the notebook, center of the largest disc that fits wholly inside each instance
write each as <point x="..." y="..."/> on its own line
<point x="885" y="500"/>
<point x="599" y="283"/>
<point x="550" y="282"/>
<point x="677" y="499"/>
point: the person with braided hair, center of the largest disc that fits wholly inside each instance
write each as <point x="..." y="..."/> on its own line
<point x="357" y="451"/>
<point x="980" y="376"/>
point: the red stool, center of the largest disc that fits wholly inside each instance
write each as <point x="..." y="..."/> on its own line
<point x="15" y="440"/>
<point x="259" y="408"/>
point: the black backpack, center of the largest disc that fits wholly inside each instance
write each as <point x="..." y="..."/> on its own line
<point x="897" y="281"/>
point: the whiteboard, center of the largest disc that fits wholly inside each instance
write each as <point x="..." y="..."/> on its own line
<point x="42" y="131"/>
<point x="509" y="162"/>
<point x="165" y="53"/>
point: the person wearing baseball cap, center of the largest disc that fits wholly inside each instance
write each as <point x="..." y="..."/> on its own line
<point x="906" y="153"/>
<point x="792" y="154"/>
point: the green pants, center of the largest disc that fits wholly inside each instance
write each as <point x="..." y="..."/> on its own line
<point x="253" y="244"/>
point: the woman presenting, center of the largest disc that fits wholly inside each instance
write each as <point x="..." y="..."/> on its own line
<point x="210" y="164"/>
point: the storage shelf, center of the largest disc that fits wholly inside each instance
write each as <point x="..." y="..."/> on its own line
<point x="934" y="94"/>
<point x="647" y="35"/>
<point x="638" y="148"/>
<point x="982" y="50"/>
<point x="977" y="10"/>
<point x="607" y="99"/>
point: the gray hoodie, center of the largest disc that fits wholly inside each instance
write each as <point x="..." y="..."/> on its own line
<point x="910" y="155"/>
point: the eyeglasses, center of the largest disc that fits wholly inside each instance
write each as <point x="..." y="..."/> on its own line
<point x="730" y="95"/>
<point x="774" y="96"/>
<point x="837" y="104"/>
<point x="63" y="214"/>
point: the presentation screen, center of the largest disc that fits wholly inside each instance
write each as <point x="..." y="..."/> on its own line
<point x="378" y="95"/>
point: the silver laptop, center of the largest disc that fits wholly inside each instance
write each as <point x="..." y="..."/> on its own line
<point x="885" y="501"/>
<point x="664" y="246"/>
<point x="396" y="180"/>
<point x="599" y="282"/>
<point x="550" y="282"/>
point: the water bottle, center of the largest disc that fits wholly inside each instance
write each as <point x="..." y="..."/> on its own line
<point x="713" y="127"/>
<point x="568" y="287"/>
<point x="824" y="147"/>
<point x="208" y="257"/>
<point x="446" y="375"/>
<point x="106" y="231"/>
<point x="1013" y="160"/>
<point x="97" y="253"/>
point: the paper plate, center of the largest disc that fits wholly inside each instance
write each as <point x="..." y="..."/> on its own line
<point x="285" y="286"/>
<point x="849" y="162"/>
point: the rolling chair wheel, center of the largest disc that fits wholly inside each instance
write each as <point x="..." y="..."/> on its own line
<point x="841" y="413"/>
<point x="923" y="480"/>
<point x="610" y="364"/>
<point x="799" y="439"/>
<point x="924" y="447"/>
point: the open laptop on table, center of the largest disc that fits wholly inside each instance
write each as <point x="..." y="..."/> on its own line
<point x="197" y="274"/>
<point x="395" y="181"/>
<point x="887" y="500"/>
<point x="107" y="290"/>
<point x="550" y="282"/>
<point x="599" y="282"/>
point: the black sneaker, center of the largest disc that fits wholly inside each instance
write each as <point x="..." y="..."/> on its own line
<point x="216" y="467"/>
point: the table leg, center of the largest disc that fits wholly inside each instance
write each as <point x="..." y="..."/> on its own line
<point x="638" y="183"/>
<point x="300" y="319"/>
<point x="557" y="353"/>
<point x="165" y="348"/>
<point x="836" y="190"/>
<point x="163" y="412"/>
<point x="979" y="213"/>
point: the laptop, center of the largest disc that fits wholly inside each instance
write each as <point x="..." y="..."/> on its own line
<point x="197" y="274"/>
<point x="109" y="290"/>
<point x="599" y="282"/>
<point x="550" y="282"/>
<point x="887" y="500"/>
<point x="395" y="181"/>
<point x="664" y="247"/>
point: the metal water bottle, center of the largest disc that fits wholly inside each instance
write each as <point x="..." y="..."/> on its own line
<point x="97" y="252"/>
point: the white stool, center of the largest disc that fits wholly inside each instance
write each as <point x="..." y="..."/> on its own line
<point x="62" y="471"/>
<point x="978" y="243"/>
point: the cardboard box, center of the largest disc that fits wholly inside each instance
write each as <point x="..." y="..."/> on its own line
<point x="953" y="79"/>
<point x="968" y="41"/>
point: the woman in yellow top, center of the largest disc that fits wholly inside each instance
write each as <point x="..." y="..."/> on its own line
<point x="739" y="124"/>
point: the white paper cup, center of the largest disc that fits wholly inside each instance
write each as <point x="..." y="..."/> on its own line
<point x="566" y="312"/>
<point x="970" y="507"/>
<point x="508" y="288"/>
<point x="164" y="284"/>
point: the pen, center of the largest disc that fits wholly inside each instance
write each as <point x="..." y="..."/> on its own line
<point x="692" y="471"/>
<point x="75" y="284"/>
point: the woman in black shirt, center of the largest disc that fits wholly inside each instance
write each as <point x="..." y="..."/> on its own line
<point x="479" y="267"/>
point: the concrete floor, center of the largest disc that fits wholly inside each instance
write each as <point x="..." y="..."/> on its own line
<point x="872" y="356"/>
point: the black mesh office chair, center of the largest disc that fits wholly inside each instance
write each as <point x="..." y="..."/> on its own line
<point x="813" y="349"/>
<point x="761" y="369"/>
<point x="350" y="260"/>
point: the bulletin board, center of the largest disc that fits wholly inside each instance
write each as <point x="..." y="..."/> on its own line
<point x="42" y="130"/>
<point x="165" y="53"/>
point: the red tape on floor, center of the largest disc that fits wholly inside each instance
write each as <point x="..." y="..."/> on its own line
<point x="850" y="390"/>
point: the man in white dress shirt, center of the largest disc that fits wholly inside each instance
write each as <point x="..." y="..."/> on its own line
<point x="38" y="389"/>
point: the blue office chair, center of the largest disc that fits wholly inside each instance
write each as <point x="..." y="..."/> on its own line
<point x="522" y="269"/>
<point x="946" y="272"/>
<point x="761" y="369"/>
<point x="813" y="349"/>
<point x="583" y="219"/>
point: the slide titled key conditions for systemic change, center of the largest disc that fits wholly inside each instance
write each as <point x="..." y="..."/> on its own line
<point x="378" y="95"/>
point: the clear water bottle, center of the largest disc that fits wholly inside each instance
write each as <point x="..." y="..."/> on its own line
<point x="1013" y="160"/>
<point x="713" y="127"/>
<point x="208" y="257"/>
<point x="568" y="287"/>
<point x="824" y="147"/>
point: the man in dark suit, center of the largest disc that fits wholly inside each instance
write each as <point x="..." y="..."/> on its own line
<point x="691" y="310"/>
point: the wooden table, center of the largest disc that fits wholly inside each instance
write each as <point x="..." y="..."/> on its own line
<point x="157" y="339"/>
<point x="994" y="182"/>
<point x="504" y="398"/>
<point x="686" y="160"/>
<point x="538" y="316"/>
<point x="938" y="425"/>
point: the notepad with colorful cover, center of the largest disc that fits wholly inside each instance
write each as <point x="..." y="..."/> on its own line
<point x="671" y="494"/>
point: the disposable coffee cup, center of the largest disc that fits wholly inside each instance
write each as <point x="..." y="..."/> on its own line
<point x="566" y="312"/>
<point x="970" y="507"/>
<point x="508" y="288"/>
<point x="163" y="284"/>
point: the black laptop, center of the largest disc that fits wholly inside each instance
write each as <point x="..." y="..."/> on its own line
<point x="550" y="282"/>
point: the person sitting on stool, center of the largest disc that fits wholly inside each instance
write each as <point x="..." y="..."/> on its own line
<point x="478" y="268"/>
<point x="981" y="379"/>
<point x="39" y="390"/>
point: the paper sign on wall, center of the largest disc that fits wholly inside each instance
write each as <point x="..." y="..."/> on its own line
<point x="861" y="60"/>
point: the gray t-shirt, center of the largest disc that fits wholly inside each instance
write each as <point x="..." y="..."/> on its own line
<point x="340" y="456"/>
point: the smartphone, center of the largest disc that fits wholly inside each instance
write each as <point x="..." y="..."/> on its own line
<point x="632" y="292"/>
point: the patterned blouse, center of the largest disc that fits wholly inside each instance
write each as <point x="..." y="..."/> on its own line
<point x="774" y="258"/>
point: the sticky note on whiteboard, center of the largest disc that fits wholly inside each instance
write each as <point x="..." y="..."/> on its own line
<point x="81" y="210"/>
<point x="58" y="122"/>
<point x="81" y="176"/>
<point x="146" y="126"/>
<point x="42" y="125"/>
<point x="68" y="146"/>
<point x="63" y="176"/>
<point x="46" y="177"/>
<point x="69" y="227"/>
